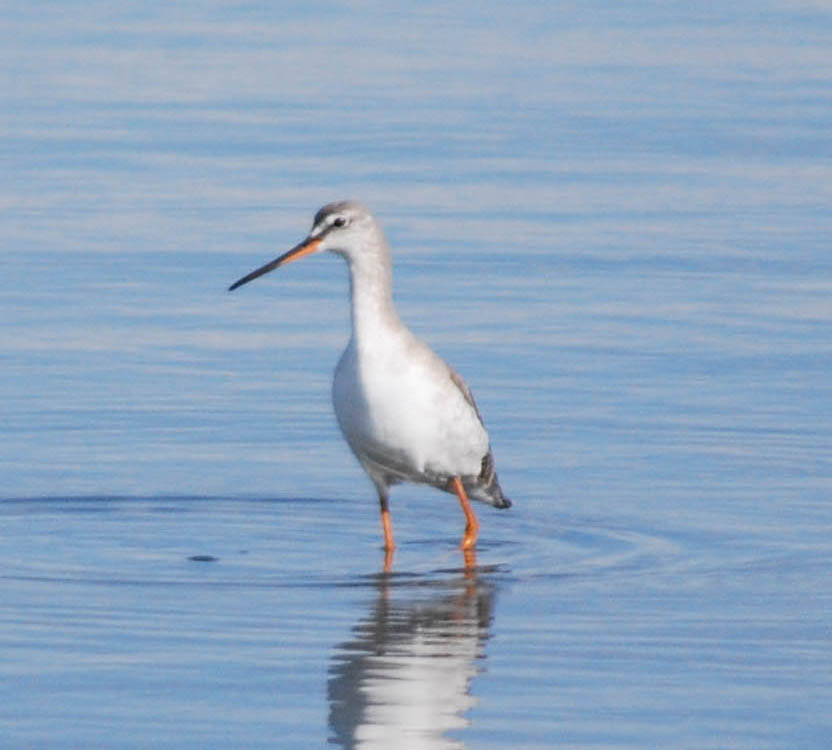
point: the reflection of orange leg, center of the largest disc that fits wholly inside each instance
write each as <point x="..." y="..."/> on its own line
<point x="472" y="527"/>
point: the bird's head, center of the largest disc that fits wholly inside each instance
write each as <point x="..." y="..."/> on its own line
<point x="344" y="227"/>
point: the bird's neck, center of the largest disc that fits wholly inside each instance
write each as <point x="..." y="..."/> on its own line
<point x="371" y="292"/>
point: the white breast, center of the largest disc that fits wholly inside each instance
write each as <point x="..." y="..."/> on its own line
<point x="397" y="406"/>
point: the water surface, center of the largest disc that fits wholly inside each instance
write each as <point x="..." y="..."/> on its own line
<point x="612" y="219"/>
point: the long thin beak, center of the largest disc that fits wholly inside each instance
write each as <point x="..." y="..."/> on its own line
<point x="308" y="246"/>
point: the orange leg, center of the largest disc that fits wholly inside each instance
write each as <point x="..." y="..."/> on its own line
<point x="472" y="527"/>
<point x="386" y="523"/>
<point x="389" y="545"/>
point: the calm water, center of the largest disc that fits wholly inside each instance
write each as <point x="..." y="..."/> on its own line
<point x="612" y="218"/>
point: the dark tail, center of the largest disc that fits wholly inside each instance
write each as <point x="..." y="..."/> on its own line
<point x="486" y="487"/>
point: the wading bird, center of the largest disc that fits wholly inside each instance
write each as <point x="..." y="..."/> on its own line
<point x="405" y="413"/>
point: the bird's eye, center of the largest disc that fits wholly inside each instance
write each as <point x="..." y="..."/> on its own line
<point x="339" y="222"/>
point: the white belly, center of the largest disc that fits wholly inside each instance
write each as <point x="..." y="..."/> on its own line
<point x="399" y="409"/>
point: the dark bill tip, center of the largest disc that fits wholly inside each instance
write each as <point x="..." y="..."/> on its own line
<point x="304" y="248"/>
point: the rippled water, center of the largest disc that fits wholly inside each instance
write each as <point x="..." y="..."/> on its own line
<point x="613" y="219"/>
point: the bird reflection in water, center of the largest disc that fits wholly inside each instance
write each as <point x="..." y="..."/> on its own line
<point x="404" y="679"/>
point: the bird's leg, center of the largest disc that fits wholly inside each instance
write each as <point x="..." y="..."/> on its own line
<point x="472" y="527"/>
<point x="388" y="560"/>
<point x="386" y="524"/>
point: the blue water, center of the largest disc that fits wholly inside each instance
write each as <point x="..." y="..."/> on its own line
<point x="612" y="218"/>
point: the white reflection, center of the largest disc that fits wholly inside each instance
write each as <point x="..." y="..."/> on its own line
<point x="404" y="680"/>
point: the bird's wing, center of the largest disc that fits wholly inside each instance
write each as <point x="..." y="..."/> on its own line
<point x="458" y="381"/>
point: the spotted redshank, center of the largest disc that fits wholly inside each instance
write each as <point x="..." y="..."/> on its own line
<point x="406" y="414"/>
